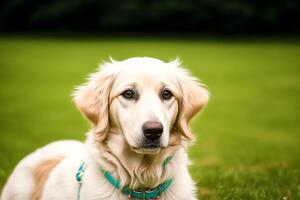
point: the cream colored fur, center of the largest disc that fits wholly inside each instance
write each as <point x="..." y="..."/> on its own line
<point x="114" y="142"/>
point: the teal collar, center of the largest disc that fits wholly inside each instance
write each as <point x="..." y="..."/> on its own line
<point x="131" y="193"/>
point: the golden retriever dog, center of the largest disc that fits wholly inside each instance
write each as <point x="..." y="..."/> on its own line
<point x="139" y="109"/>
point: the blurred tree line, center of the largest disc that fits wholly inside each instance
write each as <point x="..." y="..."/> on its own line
<point x="204" y="16"/>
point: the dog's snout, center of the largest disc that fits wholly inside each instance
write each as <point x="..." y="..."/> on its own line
<point x="152" y="130"/>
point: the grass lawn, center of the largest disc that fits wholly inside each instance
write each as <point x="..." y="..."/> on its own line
<point x="248" y="138"/>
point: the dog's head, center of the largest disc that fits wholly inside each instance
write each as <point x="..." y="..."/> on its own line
<point x="148" y="101"/>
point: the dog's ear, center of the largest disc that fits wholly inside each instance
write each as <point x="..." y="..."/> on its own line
<point x="92" y="99"/>
<point x="194" y="98"/>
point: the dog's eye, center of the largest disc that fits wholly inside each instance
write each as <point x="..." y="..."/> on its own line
<point x="166" y="94"/>
<point x="128" y="94"/>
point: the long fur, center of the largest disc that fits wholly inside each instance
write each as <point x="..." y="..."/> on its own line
<point x="42" y="176"/>
<point x="41" y="173"/>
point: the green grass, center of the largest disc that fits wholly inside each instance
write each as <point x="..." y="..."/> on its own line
<point x="248" y="138"/>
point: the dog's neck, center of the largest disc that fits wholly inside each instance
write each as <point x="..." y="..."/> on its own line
<point x="138" y="171"/>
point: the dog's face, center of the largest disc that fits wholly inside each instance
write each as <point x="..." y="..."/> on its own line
<point x="144" y="105"/>
<point x="146" y="100"/>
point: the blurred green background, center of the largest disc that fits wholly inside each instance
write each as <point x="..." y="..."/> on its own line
<point x="155" y="16"/>
<point x="246" y="52"/>
<point x="248" y="140"/>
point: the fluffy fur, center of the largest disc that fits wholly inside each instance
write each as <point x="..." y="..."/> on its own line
<point x="115" y="141"/>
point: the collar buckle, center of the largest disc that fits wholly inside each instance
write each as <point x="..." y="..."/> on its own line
<point x="149" y="192"/>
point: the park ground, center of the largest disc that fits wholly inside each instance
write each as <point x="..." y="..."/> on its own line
<point x="248" y="137"/>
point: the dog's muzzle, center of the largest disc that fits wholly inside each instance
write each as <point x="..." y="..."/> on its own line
<point x="151" y="144"/>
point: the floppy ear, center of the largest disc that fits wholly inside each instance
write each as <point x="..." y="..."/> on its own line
<point x="194" y="98"/>
<point x="92" y="99"/>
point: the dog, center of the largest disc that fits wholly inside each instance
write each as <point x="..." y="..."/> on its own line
<point x="139" y="109"/>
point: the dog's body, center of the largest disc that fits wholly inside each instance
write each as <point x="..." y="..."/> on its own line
<point x="140" y="109"/>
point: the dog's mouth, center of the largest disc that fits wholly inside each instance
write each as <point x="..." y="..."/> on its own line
<point x="146" y="150"/>
<point x="148" y="147"/>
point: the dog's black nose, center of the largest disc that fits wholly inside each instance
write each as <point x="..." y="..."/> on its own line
<point x="152" y="130"/>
